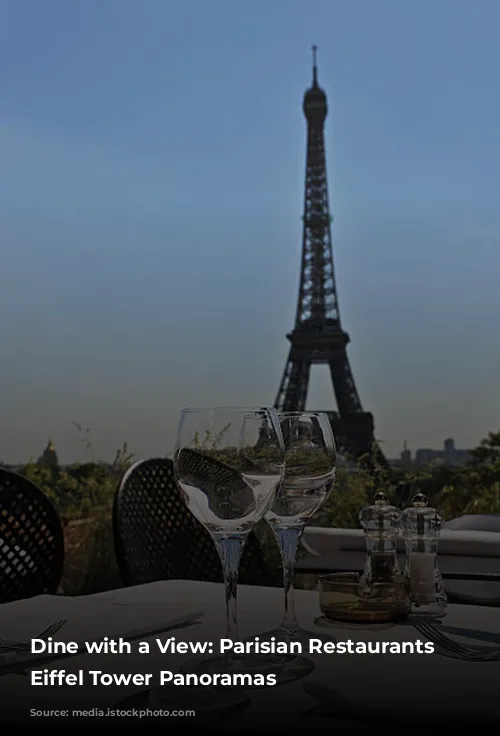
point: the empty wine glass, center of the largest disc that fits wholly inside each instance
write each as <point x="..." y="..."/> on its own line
<point x="311" y="459"/>
<point x="229" y="464"/>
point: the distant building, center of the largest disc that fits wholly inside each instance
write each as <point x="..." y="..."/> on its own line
<point x="404" y="461"/>
<point x="48" y="458"/>
<point x="449" y="455"/>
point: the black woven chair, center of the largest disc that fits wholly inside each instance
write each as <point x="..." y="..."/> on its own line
<point x="31" y="540"/>
<point x="157" y="538"/>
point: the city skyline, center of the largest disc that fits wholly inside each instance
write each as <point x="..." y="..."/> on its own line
<point x="150" y="206"/>
<point x="408" y="457"/>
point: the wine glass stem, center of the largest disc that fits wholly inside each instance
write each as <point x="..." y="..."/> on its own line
<point x="230" y="548"/>
<point x="288" y="540"/>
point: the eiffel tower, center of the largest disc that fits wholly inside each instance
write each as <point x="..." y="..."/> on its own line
<point x="318" y="337"/>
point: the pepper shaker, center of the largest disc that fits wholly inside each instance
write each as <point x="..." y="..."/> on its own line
<point x="420" y="526"/>
<point x="380" y="523"/>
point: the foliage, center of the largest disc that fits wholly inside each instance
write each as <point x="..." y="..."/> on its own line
<point x="83" y="495"/>
<point x="210" y="442"/>
<point x="473" y="489"/>
<point x="266" y="456"/>
<point x="80" y="489"/>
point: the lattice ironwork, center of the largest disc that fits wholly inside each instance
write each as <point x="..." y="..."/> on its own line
<point x="157" y="537"/>
<point x="318" y="336"/>
<point x="31" y="540"/>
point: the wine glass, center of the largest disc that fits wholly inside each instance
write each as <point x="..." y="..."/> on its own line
<point x="311" y="459"/>
<point x="229" y="464"/>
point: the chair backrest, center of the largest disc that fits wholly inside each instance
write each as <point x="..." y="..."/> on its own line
<point x="31" y="540"/>
<point x="157" y="538"/>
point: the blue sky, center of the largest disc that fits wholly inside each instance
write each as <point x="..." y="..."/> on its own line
<point x="150" y="199"/>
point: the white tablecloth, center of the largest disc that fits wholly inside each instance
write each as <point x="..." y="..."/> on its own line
<point x="372" y="678"/>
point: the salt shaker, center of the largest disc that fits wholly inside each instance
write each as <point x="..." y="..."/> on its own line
<point x="420" y="526"/>
<point x="380" y="523"/>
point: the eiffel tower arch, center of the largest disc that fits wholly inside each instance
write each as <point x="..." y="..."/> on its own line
<point x="317" y="336"/>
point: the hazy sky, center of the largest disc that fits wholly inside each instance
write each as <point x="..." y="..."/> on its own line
<point x="151" y="184"/>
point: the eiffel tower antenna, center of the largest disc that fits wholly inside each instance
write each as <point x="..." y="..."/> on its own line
<point x="315" y="65"/>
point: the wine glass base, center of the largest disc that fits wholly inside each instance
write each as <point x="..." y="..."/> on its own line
<point x="252" y="667"/>
<point x="205" y="701"/>
<point x="292" y="668"/>
<point x="285" y="668"/>
<point x="293" y="665"/>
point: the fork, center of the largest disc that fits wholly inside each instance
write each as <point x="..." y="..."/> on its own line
<point x="450" y="647"/>
<point x="23" y="646"/>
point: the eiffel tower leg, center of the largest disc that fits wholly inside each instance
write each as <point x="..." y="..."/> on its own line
<point x="353" y="427"/>
<point x="344" y="387"/>
<point x="292" y="394"/>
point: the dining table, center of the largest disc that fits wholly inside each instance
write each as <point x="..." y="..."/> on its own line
<point x="406" y="683"/>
